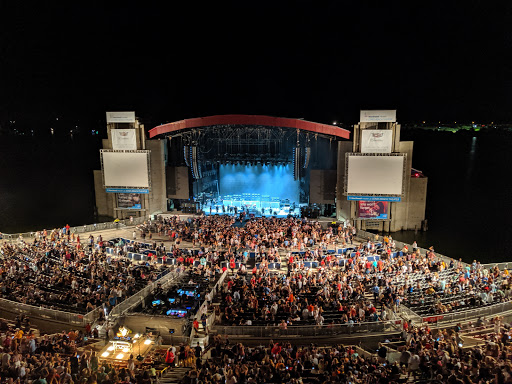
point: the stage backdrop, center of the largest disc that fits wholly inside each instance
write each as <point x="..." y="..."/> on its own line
<point x="272" y="180"/>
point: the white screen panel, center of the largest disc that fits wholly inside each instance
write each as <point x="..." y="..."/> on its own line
<point x="126" y="169"/>
<point x="381" y="175"/>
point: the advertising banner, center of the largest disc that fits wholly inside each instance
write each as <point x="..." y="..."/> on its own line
<point x="374" y="210"/>
<point x="376" y="140"/>
<point x="126" y="190"/>
<point x="374" y="198"/>
<point x="129" y="201"/>
<point x="121" y="117"/>
<point x="377" y="116"/>
<point x="124" y="139"/>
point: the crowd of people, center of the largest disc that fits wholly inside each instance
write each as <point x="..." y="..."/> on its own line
<point x="368" y="282"/>
<point x="367" y="285"/>
<point x="422" y="355"/>
<point x="60" y="359"/>
<point x="216" y="232"/>
<point x="58" y="272"/>
<point x="322" y="298"/>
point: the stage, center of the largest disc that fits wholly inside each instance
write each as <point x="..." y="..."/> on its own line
<point x="280" y="214"/>
<point x="250" y="205"/>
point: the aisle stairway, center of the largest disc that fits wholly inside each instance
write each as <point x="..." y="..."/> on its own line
<point x="173" y="376"/>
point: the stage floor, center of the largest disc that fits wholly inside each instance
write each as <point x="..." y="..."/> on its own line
<point x="119" y="351"/>
<point x="279" y="214"/>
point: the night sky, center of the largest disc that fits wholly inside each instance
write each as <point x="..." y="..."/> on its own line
<point x="321" y="60"/>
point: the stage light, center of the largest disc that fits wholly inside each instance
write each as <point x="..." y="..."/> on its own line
<point x="186" y="152"/>
<point x="120" y="356"/>
<point x="307" y="157"/>
<point x="111" y="348"/>
<point x="137" y="335"/>
<point x="147" y="341"/>
<point x="105" y="354"/>
<point x="126" y="350"/>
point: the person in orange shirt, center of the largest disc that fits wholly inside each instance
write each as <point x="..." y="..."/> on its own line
<point x="72" y="335"/>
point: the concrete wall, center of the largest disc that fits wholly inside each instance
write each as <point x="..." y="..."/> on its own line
<point x="104" y="200"/>
<point x="157" y="199"/>
<point x="407" y="214"/>
<point x="343" y="206"/>
<point x="153" y="202"/>
<point x="399" y="211"/>
<point x="107" y="143"/>
<point x="417" y="202"/>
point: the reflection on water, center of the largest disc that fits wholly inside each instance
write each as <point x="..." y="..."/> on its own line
<point x="471" y="159"/>
<point x="468" y="198"/>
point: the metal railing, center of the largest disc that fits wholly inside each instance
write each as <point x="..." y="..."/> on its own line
<point x="81" y="229"/>
<point x="449" y="317"/>
<point x="44" y="313"/>
<point x="310" y="330"/>
<point x="501" y="266"/>
<point x="400" y="245"/>
<point x="408" y="314"/>
<point x="164" y="279"/>
<point x="472" y="314"/>
<point x="204" y="308"/>
<point x="82" y="319"/>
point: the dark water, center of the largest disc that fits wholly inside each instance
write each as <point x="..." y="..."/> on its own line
<point x="48" y="182"/>
<point x="469" y="203"/>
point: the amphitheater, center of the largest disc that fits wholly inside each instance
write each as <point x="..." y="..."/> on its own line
<point x="316" y="313"/>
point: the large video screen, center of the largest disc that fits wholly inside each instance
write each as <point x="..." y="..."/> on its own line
<point x="375" y="175"/>
<point x="125" y="169"/>
<point x="271" y="180"/>
<point x="377" y="210"/>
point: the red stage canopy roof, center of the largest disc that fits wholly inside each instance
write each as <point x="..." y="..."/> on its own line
<point x="268" y="121"/>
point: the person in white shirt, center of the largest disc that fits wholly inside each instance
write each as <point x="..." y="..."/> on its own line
<point x="414" y="364"/>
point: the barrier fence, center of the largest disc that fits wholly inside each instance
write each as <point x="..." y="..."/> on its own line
<point x="164" y="279"/>
<point x="204" y="309"/>
<point x="81" y="229"/>
<point x="472" y="314"/>
<point x="77" y="319"/>
<point x="45" y="313"/>
<point x="400" y="245"/>
<point x="310" y="330"/>
<point x="454" y="317"/>
<point x="501" y="266"/>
